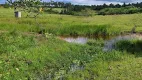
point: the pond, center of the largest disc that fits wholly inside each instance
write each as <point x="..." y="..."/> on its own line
<point x="109" y="41"/>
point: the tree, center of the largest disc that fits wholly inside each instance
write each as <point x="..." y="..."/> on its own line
<point x="117" y="5"/>
<point x="6" y="5"/>
<point x="30" y="6"/>
<point x="104" y="5"/>
<point x="111" y="5"/>
<point x="124" y="4"/>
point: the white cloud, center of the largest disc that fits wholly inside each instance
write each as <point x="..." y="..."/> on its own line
<point x="91" y="2"/>
<point x="98" y="2"/>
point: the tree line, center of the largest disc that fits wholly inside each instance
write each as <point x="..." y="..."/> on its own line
<point x="111" y="9"/>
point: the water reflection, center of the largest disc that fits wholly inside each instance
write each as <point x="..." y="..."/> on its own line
<point x="109" y="44"/>
<point x="109" y="41"/>
<point x="79" y="40"/>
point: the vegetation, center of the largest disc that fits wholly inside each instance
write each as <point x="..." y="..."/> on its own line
<point x="38" y="57"/>
<point x="71" y="25"/>
<point x="133" y="46"/>
<point x="81" y="10"/>
<point x="27" y="55"/>
<point x="123" y="10"/>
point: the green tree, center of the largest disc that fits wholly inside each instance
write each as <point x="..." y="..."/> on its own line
<point x="30" y="6"/>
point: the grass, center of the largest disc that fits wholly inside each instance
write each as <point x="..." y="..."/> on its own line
<point x="27" y="55"/>
<point x="61" y="24"/>
<point x="133" y="46"/>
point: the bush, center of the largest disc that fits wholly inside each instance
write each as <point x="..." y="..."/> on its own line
<point x="50" y="11"/>
<point x="86" y="12"/>
<point x="123" y="10"/>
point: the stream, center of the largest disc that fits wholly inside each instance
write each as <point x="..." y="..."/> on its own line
<point x="109" y="41"/>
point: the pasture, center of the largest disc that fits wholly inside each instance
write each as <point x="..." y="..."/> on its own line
<point x="27" y="55"/>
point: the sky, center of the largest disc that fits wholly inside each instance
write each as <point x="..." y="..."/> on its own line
<point x="2" y="1"/>
<point x="99" y="2"/>
<point x="92" y="2"/>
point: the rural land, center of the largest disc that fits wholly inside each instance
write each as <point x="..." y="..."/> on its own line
<point x="63" y="41"/>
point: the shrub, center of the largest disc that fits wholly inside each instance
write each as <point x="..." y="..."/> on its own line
<point x="123" y="10"/>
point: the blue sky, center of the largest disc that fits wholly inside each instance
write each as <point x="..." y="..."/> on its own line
<point x="2" y="1"/>
<point x="90" y="2"/>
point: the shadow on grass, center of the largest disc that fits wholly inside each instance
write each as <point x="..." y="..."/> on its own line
<point x="131" y="46"/>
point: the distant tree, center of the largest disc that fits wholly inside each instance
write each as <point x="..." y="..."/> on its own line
<point x="124" y="4"/>
<point x="117" y="5"/>
<point x="105" y="6"/>
<point x="99" y="7"/>
<point x="6" y="5"/>
<point x="93" y="7"/>
<point x="112" y="5"/>
<point x="129" y="4"/>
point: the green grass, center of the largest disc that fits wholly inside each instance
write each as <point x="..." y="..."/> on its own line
<point x="61" y="24"/>
<point x="35" y="56"/>
<point x="27" y="55"/>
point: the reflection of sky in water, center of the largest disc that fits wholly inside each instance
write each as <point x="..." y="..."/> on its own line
<point x="80" y="40"/>
<point x="109" y="44"/>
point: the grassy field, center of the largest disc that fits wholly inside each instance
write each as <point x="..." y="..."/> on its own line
<point x="27" y="55"/>
<point x="71" y="25"/>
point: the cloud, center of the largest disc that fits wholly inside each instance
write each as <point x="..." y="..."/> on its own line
<point x="92" y="2"/>
<point x="98" y="2"/>
<point x="121" y="1"/>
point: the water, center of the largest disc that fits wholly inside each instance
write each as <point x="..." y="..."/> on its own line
<point x="79" y="40"/>
<point x="109" y="44"/>
<point x="76" y="65"/>
<point x="60" y="74"/>
<point x="109" y="41"/>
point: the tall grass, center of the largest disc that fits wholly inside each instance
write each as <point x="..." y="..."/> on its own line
<point x="132" y="46"/>
<point x="76" y="30"/>
<point x="71" y="25"/>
